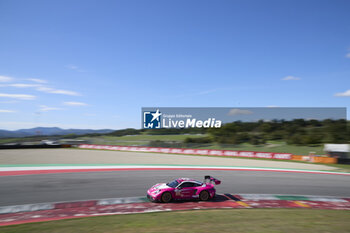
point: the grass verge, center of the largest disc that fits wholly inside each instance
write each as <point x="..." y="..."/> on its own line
<point x="248" y="220"/>
<point x="340" y="167"/>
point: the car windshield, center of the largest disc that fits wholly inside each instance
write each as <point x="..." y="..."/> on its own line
<point x="173" y="184"/>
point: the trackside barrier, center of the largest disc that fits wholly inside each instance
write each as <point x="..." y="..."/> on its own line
<point x="211" y="152"/>
<point x="231" y="153"/>
<point x="315" y="159"/>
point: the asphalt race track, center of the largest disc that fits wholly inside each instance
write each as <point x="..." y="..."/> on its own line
<point x="16" y="190"/>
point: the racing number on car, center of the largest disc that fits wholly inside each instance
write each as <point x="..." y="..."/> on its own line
<point x="183" y="193"/>
<point x="177" y="192"/>
<point x="186" y="190"/>
<point x="186" y="193"/>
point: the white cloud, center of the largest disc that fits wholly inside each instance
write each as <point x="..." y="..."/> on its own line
<point x="41" y="88"/>
<point x="5" y="78"/>
<point x="347" y="55"/>
<point x="75" y="104"/>
<point x="9" y="101"/>
<point x="44" y="108"/>
<point x="287" y="78"/>
<point x="64" y="92"/>
<point x="74" y="67"/>
<point x="36" y="80"/>
<point x="343" y="94"/>
<point x="45" y="89"/>
<point x="23" y="85"/>
<point x="18" y="96"/>
<point x="38" y="86"/>
<point x="6" y="111"/>
<point x="272" y="106"/>
<point x="56" y="91"/>
<point x="236" y="111"/>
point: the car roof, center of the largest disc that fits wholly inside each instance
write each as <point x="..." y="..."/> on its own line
<point x="180" y="180"/>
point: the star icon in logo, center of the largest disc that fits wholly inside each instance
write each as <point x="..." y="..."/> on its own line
<point x="156" y="115"/>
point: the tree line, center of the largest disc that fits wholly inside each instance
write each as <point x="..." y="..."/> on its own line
<point x="295" y="132"/>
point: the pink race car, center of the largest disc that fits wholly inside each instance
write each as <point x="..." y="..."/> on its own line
<point x="183" y="189"/>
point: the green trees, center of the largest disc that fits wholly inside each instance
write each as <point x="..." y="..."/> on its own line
<point x="296" y="132"/>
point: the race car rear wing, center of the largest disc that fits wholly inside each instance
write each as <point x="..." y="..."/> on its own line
<point x="211" y="180"/>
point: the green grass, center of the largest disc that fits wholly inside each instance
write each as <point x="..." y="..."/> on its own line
<point x="248" y="220"/>
<point x="341" y="167"/>
<point x="273" y="147"/>
<point x="18" y="140"/>
<point x="144" y="139"/>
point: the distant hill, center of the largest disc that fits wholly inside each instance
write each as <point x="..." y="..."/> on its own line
<point x="48" y="131"/>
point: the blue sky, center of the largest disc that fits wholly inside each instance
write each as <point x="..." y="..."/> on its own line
<point x="94" y="64"/>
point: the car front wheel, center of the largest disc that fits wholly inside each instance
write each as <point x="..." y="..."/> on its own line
<point x="166" y="197"/>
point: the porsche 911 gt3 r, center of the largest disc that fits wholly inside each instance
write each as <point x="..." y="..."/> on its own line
<point x="183" y="189"/>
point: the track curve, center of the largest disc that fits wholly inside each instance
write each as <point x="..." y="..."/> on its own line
<point x="17" y="190"/>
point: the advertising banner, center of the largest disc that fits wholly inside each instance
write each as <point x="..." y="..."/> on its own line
<point x="210" y="152"/>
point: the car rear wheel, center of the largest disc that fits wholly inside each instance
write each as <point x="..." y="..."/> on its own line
<point x="204" y="196"/>
<point x="166" y="197"/>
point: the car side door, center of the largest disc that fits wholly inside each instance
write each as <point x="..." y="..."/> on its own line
<point x="185" y="190"/>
